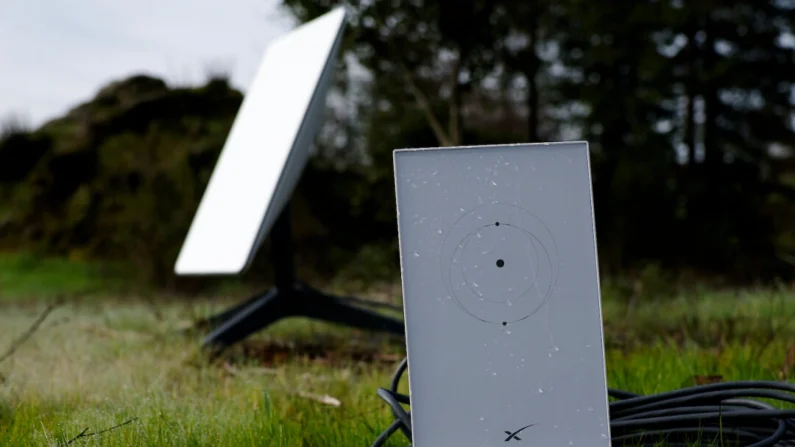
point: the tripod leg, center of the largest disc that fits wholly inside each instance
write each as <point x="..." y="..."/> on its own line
<point x="337" y="310"/>
<point x="214" y="321"/>
<point x="256" y="315"/>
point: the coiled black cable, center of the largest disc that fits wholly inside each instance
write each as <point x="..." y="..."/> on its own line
<point x="697" y="416"/>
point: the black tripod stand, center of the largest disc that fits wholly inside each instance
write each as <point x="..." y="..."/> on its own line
<point x="290" y="298"/>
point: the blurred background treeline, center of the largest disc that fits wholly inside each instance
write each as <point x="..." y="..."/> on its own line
<point x="688" y="108"/>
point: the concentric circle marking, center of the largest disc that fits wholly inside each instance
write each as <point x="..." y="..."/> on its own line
<point x="499" y="263"/>
<point x="488" y="243"/>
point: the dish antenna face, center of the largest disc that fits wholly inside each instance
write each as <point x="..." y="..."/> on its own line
<point x="249" y="191"/>
<point x="266" y="150"/>
<point x="501" y="296"/>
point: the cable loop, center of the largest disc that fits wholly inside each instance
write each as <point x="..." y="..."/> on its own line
<point x="725" y="412"/>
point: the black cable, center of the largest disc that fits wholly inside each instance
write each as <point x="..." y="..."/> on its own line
<point x="694" y="416"/>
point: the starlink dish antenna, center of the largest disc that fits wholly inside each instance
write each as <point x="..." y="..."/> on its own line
<point x="501" y="296"/>
<point x="248" y="194"/>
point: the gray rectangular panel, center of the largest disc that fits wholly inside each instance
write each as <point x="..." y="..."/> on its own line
<point x="501" y="295"/>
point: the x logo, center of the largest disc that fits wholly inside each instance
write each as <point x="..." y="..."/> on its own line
<point x="512" y="436"/>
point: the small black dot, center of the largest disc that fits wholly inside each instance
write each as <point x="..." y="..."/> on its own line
<point x="497" y="224"/>
<point x="505" y="323"/>
<point x="500" y="263"/>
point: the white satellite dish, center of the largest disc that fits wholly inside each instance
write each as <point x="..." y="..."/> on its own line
<point x="249" y="191"/>
<point x="501" y="296"/>
<point x="266" y="151"/>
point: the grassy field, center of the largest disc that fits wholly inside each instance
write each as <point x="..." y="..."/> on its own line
<point x="96" y="363"/>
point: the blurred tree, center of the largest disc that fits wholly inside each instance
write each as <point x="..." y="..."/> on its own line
<point x="424" y="54"/>
<point x="613" y="88"/>
<point x="123" y="174"/>
<point x="528" y="50"/>
<point x="423" y="61"/>
<point x="654" y="87"/>
<point x="687" y="107"/>
<point x="734" y="77"/>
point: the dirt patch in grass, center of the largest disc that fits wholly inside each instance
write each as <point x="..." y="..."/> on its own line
<point x="274" y="353"/>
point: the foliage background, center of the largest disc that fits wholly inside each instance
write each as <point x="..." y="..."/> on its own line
<point x="688" y="107"/>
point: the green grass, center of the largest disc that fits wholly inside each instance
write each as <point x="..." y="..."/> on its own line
<point x="99" y="364"/>
<point x="23" y="276"/>
<point x="96" y="363"/>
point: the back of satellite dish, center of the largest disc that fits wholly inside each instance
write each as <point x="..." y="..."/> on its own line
<point x="501" y="296"/>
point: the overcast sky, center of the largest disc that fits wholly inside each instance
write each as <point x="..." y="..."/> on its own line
<point x="55" y="54"/>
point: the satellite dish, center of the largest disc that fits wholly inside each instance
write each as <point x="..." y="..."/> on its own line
<point x="248" y="194"/>
<point x="501" y="296"/>
<point x="267" y="149"/>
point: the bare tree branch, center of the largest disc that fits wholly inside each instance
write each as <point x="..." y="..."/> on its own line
<point x="444" y="138"/>
<point x="33" y="328"/>
<point x="425" y="105"/>
<point x="454" y="124"/>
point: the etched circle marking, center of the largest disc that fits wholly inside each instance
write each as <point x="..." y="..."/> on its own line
<point x="499" y="263"/>
<point x="491" y="280"/>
